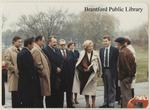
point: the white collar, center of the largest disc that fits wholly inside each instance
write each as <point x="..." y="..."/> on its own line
<point x="107" y="47"/>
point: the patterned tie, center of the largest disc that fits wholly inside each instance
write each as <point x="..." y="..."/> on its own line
<point x="64" y="53"/>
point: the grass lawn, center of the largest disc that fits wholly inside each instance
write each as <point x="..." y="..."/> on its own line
<point x="142" y="64"/>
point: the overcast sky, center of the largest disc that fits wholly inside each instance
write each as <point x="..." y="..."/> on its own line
<point x="128" y="20"/>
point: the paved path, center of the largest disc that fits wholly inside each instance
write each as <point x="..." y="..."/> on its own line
<point x="140" y="89"/>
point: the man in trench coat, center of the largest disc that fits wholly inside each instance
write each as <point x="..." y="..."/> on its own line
<point x="10" y="57"/>
<point x="43" y="68"/>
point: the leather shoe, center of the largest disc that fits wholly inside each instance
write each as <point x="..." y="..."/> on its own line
<point x="103" y="106"/>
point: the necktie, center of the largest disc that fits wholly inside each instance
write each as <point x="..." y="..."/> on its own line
<point x="64" y="53"/>
<point x="106" y="58"/>
<point x="18" y="49"/>
<point x="53" y="49"/>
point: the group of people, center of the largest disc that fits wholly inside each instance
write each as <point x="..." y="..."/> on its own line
<point x="118" y="71"/>
<point x="41" y="72"/>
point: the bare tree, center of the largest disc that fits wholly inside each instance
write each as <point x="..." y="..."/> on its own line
<point x="42" y="23"/>
<point x="89" y="25"/>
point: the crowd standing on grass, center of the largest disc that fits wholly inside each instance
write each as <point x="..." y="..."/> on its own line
<point x="42" y="71"/>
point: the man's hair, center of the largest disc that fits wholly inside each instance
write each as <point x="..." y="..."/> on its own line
<point x="28" y="41"/>
<point x="70" y="43"/>
<point x="62" y="40"/>
<point x="15" y="39"/>
<point x="106" y="37"/>
<point x="50" y="38"/>
<point x="39" y="37"/>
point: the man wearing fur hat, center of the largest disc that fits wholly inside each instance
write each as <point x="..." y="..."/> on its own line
<point x="131" y="48"/>
<point x="126" y="70"/>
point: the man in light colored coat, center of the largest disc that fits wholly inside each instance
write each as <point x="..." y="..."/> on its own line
<point x="10" y="58"/>
<point x="43" y="69"/>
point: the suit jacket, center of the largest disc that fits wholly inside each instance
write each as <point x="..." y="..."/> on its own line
<point x="76" y="55"/>
<point x="29" y="84"/>
<point x="56" y="61"/>
<point x="67" y="76"/>
<point x="43" y="69"/>
<point x="73" y="58"/>
<point x="10" y="57"/>
<point x="126" y="64"/>
<point x="113" y="58"/>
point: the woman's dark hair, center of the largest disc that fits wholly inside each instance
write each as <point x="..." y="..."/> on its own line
<point x="70" y="43"/>
<point x="28" y="41"/>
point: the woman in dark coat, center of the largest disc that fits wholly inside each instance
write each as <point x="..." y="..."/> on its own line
<point x="74" y="55"/>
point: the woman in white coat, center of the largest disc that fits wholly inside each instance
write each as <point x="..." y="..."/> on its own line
<point x="87" y="72"/>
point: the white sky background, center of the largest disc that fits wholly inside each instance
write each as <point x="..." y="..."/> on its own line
<point x="128" y="20"/>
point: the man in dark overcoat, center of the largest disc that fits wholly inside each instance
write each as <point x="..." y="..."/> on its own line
<point x="28" y="85"/>
<point x="57" y="96"/>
